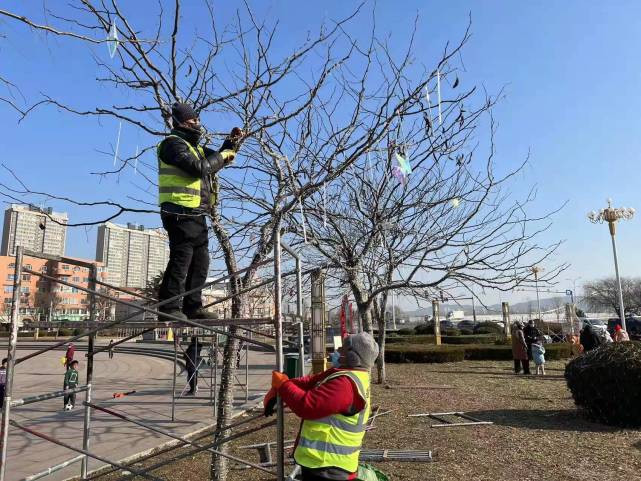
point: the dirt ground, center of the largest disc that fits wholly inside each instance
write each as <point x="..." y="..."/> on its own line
<point x="537" y="433"/>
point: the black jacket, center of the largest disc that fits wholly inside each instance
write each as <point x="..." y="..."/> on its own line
<point x="175" y="152"/>
<point x="192" y="355"/>
<point x="531" y="334"/>
<point x="589" y="339"/>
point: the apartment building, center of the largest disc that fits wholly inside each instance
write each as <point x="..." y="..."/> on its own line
<point x="34" y="228"/>
<point x="131" y="254"/>
<point x="43" y="300"/>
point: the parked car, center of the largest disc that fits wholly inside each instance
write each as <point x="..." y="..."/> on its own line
<point x="447" y="325"/>
<point x="470" y="325"/>
<point x="632" y="325"/>
<point x="597" y="324"/>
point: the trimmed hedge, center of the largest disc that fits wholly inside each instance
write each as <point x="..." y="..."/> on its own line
<point x="424" y="329"/>
<point x="488" y="327"/>
<point x="423" y="354"/>
<point x="400" y="353"/>
<point x="418" y="339"/>
<point x="480" y="339"/>
<point x="406" y="331"/>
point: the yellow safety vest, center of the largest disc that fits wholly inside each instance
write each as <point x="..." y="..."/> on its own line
<point x="335" y="441"/>
<point x="176" y="185"/>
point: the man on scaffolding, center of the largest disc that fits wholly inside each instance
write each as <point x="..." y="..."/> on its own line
<point x="188" y="189"/>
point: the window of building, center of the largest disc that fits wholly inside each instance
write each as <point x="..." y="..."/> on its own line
<point x="8" y="300"/>
<point x="28" y="266"/>
<point x="65" y="267"/>
<point x="26" y="277"/>
<point x="11" y="277"/>
<point x="74" y="290"/>
<point x="76" y="279"/>
<point x="76" y="269"/>
<point x="12" y="266"/>
<point x="44" y="269"/>
<point x="24" y="290"/>
<point x="8" y="288"/>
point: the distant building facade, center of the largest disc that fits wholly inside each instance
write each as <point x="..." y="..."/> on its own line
<point x="132" y="255"/>
<point x="43" y="300"/>
<point x="34" y="228"/>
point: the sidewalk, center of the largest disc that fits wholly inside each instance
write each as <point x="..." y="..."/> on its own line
<point x="111" y="437"/>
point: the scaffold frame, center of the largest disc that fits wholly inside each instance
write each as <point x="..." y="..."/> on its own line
<point x="176" y="324"/>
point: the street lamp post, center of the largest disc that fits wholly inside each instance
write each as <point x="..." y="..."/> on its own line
<point x="611" y="215"/>
<point x="536" y="270"/>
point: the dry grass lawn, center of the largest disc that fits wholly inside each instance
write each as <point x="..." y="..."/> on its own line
<point x="537" y="434"/>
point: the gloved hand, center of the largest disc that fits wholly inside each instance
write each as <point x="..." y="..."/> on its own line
<point x="232" y="142"/>
<point x="269" y="403"/>
<point x="278" y="379"/>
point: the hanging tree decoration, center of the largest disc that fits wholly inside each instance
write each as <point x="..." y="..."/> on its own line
<point x="117" y="143"/>
<point x="324" y="204"/>
<point x="456" y="202"/>
<point x="136" y="161"/>
<point x="302" y="219"/>
<point x="438" y="93"/>
<point x="112" y="39"/>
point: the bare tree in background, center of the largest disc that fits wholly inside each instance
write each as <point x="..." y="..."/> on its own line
<point x="308" y="116"/>
<point x="604" y="294"/>
<point x="450" y="226"/>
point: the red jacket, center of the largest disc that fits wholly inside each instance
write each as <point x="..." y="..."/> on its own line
<point x="309" y="401"/>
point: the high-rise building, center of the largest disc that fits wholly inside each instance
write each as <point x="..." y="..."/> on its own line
<point x="132" y="255"/>
<point x="34" y="228"/>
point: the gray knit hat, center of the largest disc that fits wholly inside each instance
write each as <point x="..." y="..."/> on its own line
<point x="361" y="350"/>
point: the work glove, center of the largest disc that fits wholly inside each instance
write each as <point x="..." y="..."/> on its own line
<point x="269" y="403"/>
<point x="232" y="142"/>
<point x="278" y="379"/>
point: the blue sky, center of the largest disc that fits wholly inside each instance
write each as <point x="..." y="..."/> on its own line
<point x="571" y="72"/>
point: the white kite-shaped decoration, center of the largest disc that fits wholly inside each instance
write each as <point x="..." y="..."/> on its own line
<point x="117" y="143"/>
<point x="112" y="39"/>
<point x="438" y="93"/>
<point x="324" y="205"/>
<point x="302" y="220"/>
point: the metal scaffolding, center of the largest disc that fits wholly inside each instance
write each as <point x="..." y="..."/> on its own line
<point x="214" y="328"/>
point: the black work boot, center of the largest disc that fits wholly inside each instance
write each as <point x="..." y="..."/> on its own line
<point x="172" y="312"/>
<point x="200" y="314"/>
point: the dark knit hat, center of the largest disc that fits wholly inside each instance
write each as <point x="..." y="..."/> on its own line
<point x="182" y="112"/>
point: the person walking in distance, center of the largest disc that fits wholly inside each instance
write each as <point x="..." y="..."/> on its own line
<point x="111" y="349"/>
<point x="71" y="351"/>
<point x="188" y="189"/>
<point x="70" y="382"/>
<point x="334" y="407"/>
<point x="3" y="380"/>
<point x="519" y="349"/>
<point x="192" y="363"/>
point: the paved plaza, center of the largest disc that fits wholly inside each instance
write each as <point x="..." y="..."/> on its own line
<point x="111" y="437"/>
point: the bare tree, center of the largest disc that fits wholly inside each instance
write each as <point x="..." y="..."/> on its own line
<point x="450" y="225"/>
<point x="604" y="294"/>
<point x="308" y="116"/>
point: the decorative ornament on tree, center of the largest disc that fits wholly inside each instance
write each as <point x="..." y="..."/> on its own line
<point x="112" y="39"/>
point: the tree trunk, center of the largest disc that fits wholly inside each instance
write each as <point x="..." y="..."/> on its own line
<point x="379" y="313"/>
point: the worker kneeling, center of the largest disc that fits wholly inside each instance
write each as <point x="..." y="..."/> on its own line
<point x="334" y="406"/>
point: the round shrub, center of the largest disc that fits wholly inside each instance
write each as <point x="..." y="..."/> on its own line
<point x="423" y="354"/>
<point x="406" y="331"/>
<point x="466" y="332"/>
<point x="606" y="382"/>
<point x="451" y="332"/>
<point x="424" y="329"/>
<point x="487" y="327"/>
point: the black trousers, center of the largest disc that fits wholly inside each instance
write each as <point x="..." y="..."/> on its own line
<point x="70" y="398"/>
<point x="1" y="395"/>
<point x="188" y="260"/>
<point x="526" y="366"/>
<point x="192" y="376"/>
<point x="322" y="474"/>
